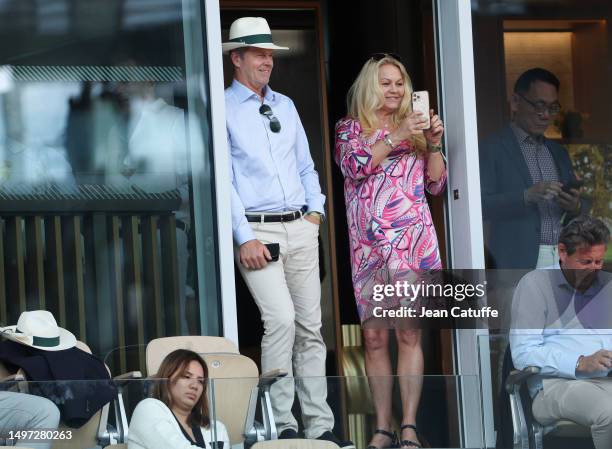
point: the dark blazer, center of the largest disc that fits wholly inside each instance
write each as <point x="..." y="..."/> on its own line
<point x="77" y="401"/>
<point x="514" y="227"/>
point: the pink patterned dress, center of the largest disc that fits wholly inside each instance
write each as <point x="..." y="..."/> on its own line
<point x="390" y="228"/>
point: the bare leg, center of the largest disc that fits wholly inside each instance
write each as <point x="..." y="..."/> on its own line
<point x="410" y="372"/>
<point x="378" y="369"/>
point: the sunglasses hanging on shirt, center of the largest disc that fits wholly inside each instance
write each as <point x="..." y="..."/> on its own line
<point x="266" y="111"/>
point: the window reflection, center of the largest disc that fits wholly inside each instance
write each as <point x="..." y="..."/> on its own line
<point x="95" y="176"/>
<point x="570" y="39"/>
<point x="33" y="145"/>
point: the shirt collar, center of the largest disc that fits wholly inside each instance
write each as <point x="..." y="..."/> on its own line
<point x="243" y="93"/>
<point x="522" y="135"/>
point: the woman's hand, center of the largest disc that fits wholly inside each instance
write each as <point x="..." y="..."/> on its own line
<point x="433" y="135"/>
<point x="412" y="125"/>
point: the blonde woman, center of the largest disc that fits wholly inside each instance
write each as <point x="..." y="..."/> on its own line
<point x="388" y="160"/>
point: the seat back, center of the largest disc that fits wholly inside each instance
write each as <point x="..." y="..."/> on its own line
<point x="159" y="348"/>
<point x="84" y="436"/>
<point x="295" y="444"/>
<point x="233" y="379"/>
<point x="504" y="412"/>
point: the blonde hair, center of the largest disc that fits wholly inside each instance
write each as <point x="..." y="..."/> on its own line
<point x="365" y="97"/>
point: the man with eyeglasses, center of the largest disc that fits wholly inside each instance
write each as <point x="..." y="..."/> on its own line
<point x="528" y="186"/>
<point x="277" y="200"/>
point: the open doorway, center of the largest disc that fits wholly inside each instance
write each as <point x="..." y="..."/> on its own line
<point x="329" y="44"/>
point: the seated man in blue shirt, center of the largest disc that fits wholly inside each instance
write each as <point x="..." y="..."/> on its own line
<point x="276" y="199"/>
<point x="561" y="323"/>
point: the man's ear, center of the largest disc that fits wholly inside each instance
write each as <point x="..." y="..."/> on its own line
<point x="514" y="101"/>
<point x="235" y="57"/>
<point x="562" y="251"/>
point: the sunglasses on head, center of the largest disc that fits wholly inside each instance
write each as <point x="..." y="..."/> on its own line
<point x="266" y="111"/>
<point x="378" y="56"/>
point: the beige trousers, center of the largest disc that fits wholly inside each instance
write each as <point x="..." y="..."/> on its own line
<point x="288" y="294"/>
<point x="585" y="401"/>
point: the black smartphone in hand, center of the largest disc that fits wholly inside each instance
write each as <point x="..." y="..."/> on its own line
<point x="274" y="249"/>
<point x="573" y="184"/>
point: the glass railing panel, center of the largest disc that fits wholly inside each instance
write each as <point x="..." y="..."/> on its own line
<point x="346" y="406"/>
<point x="232" y="406"/>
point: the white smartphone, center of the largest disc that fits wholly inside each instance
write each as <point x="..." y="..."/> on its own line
<point x="420" y="103"/>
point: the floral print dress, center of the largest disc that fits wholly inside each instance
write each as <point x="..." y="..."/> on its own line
<point x="391" y="232"/>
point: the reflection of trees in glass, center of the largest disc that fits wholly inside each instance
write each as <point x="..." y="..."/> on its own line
<point x="593" y="164"/>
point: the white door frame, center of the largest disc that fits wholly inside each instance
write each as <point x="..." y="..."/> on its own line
<point x="221" y="161"/>
<point x="465" y="243"/>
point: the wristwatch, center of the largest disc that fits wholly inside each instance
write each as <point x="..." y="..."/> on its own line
<point x="318" y="214"/>
<point x="578" y="362"/>
<point x="434" y="148"/>
<point x="389" y="142"/>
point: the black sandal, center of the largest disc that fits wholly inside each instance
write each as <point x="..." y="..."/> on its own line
<point x="391" y="435"/>
<point x="410" y="443"/>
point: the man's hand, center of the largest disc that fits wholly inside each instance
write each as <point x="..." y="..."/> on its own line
<point x="598" y="362"/>
<point x="569" y="201"/>
<point x="254" y="255"/>
<point x="313" y="218"/>
<point x="543" y="191"/>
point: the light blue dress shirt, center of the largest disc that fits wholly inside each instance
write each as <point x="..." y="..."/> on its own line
<point x="553" y="324"/>
<point x="270" y="172"/>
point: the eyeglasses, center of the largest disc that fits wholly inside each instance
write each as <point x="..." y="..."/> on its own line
<point x="378" y="56"/>
<point x="266" y="110"/>
<point x="540" y="107"/>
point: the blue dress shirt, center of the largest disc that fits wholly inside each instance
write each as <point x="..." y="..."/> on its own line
<point x="270" y="172"/>
<point x="553" y="324"/>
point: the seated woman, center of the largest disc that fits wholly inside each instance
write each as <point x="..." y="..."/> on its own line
<point x="177" y="415"/>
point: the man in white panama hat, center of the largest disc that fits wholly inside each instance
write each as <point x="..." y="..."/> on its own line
<point x="277" y="200"/>
<point x="20" y="411"/>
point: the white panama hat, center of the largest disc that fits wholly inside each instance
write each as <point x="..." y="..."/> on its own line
<point x="250" y="32"/>
<point x="39" y="330"/>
